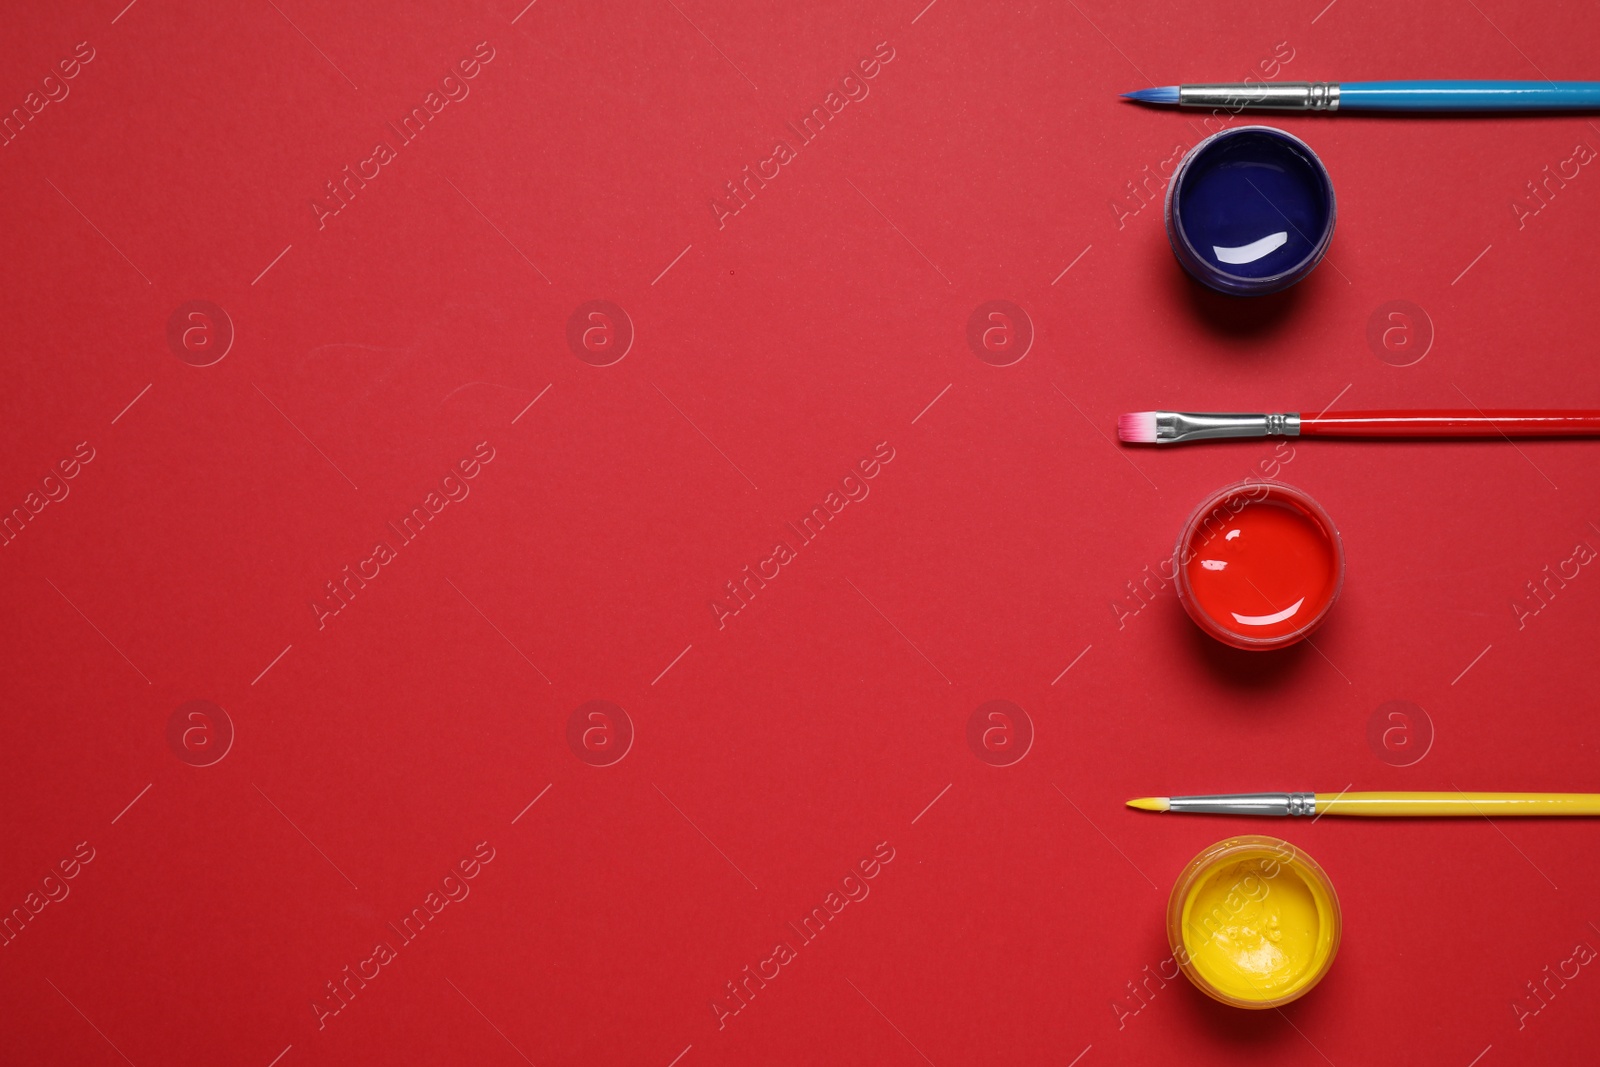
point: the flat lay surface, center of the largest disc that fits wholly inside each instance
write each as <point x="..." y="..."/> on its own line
<point x="594" y="533"/>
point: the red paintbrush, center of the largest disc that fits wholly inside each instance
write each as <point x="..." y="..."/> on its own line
<point x="1173" y="427"/>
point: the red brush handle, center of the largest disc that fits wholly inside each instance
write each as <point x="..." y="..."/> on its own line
<point x="1521" y="422"/>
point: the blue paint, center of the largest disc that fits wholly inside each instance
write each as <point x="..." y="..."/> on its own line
<point x="1250" y="211"/>
<point x="1161" y="94"/>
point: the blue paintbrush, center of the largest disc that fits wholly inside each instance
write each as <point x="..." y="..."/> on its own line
<point x="1381" y="96"/>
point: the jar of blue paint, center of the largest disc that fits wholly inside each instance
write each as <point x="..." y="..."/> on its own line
<point x="1250" y="211"/>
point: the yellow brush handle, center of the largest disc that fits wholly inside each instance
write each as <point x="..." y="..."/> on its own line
<point x="1494" y="805"/>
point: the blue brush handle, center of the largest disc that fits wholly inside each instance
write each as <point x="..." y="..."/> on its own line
<point x="1468" y="96"/>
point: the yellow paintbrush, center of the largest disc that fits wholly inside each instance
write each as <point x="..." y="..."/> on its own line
<point x="1392" y="804"/>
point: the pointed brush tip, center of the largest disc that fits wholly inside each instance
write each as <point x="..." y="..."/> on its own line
<point x="1150" y="803"/>
<point x="1159" y="94"/>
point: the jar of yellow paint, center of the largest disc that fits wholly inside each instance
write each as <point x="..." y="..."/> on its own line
<point x="1254" y="922"/>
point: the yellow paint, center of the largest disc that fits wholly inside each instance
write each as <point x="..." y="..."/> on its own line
<point x="1149" y="803"/>
<point x="1259" y="922"/>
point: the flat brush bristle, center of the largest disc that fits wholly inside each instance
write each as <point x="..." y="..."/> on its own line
<point x="1137" y="427"/>
<point x="1160" y="94"/>
<point x="1151" y="803"/>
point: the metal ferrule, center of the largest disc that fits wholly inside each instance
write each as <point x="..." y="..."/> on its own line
<point x="1283" y="96"/>
<point x="1248" y="804"/>
<point x="1175" y="426"/>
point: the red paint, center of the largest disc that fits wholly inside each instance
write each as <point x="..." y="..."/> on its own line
<point x="1260" y="565"/>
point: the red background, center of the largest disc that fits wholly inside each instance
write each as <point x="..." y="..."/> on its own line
<point x="771" y="355"/>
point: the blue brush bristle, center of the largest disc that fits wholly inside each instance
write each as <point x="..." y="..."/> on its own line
<point x="1161" y="94"/>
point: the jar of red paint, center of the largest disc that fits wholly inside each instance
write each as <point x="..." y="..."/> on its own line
<point x="1259" y="565"/>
